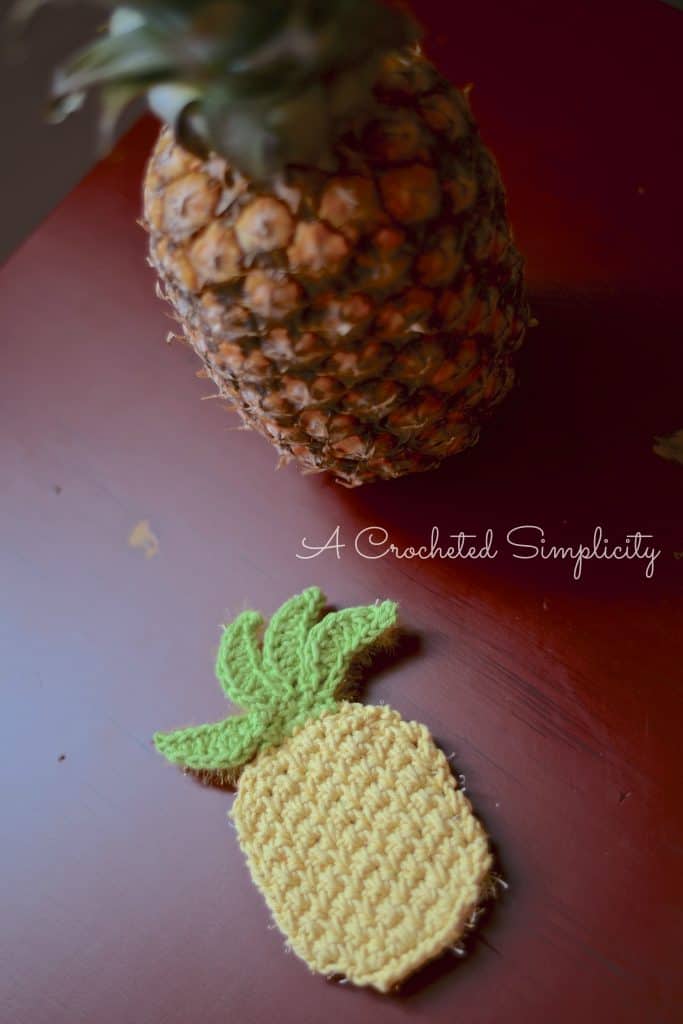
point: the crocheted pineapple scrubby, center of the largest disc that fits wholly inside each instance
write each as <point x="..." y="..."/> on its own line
<point x="368" y="855"/>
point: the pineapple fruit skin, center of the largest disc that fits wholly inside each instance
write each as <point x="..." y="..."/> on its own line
<point x="364" y="319"/>
<point x="369" y="857"/>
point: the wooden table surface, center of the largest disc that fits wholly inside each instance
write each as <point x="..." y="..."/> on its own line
<point x="124" y="897"/>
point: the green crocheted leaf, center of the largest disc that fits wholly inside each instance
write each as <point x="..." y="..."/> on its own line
<point x="239" y="667"/>
<point x="293" y="679"/>
<point x="283" y="644"/>
<point x="333" y="644"/>
<point x="223" y="746"/>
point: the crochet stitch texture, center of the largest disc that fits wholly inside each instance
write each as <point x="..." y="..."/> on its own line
<point x="369" y="858"/>
<point x="368" y="855"/>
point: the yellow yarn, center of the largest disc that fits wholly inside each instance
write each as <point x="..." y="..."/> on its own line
<point x="369" y="857"/>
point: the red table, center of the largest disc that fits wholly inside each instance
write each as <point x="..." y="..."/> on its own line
<point x="124" y="896"/>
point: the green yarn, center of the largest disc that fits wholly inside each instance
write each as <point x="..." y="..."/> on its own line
<point x="293" y="676"/>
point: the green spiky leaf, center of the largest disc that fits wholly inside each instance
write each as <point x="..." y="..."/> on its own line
<point x="333" y="644"/>
<point x="283" y="644"/>
<point x="263" y="83"/>
<point x="293" y="678"/>
<point x="238" y="663"/>
<point x="220" y="746"/>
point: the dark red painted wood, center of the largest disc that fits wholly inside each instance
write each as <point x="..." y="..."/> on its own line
<point x="124" y="895"/>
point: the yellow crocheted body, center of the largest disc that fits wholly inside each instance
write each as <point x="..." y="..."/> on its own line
<point x="369" y="857"/>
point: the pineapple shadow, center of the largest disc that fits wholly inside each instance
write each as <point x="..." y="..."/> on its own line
<point x="570" y="449"/>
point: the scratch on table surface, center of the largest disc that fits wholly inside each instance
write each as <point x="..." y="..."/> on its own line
<point x="142" y="536"/>
<point x="489" y="945"/>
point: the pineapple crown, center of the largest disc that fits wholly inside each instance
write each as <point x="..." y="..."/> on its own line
<point x="294" y="675"/>
<point x="264" y="83"/>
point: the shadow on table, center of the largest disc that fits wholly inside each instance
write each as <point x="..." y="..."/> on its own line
<point x="570" y="450"/>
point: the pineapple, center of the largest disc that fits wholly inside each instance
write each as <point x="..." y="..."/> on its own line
<point x="325" y="221"/>
<point x="368" y="855"/>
